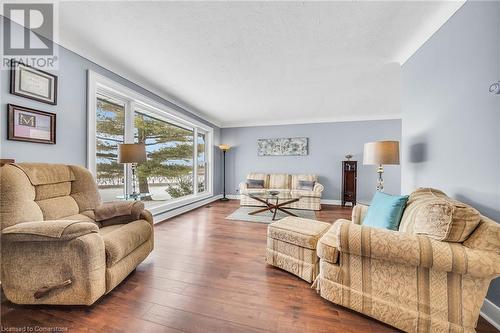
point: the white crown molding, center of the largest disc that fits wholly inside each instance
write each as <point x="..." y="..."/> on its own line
<point x="491" y="313"/>
<point x="426" y="32"/>
<point x="310" y="121"/>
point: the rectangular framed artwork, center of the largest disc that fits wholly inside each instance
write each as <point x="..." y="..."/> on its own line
<point x="32" y="83"/>
<point x="282" y="147"/>
<point x="30" y="125"/>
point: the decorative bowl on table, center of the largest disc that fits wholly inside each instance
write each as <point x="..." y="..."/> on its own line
<point x="274" y="193"/>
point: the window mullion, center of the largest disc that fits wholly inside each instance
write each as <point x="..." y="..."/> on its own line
<point x="129" y="138"/>
<point x="195" y="161"/>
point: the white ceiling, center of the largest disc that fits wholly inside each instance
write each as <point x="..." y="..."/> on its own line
<point x="255" y="63"/>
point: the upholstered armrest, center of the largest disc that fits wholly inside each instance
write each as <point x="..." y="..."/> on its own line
<point x="413" y="250"/>
<point x="327" y="247"/>
<point x="118" y="212"/>
<point x="358" y="213"/>
<point x="318" y="188"/>
<point x="243" y="187"/>
<point x="50" y="230"/>
<point x="146" y="215"/>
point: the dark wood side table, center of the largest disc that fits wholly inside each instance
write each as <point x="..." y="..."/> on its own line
<point x="349" y="182"/>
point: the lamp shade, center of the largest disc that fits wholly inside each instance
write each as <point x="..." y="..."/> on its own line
<point x="381" y="152"/>
<point x="131" y="153"/>
<point x="224" y="147"/>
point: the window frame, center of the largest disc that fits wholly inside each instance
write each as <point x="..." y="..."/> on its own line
<point x="100" y="85"/>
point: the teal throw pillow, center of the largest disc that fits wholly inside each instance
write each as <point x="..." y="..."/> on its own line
<point x="385" y="211"/>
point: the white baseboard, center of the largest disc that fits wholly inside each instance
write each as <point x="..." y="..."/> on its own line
<point x="491" y="313"/>
<point x="177" y="211"/>
<point x="331" y="202"/>
<point x="323" y="201"/>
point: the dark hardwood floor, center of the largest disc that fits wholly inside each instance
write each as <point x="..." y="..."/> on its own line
<point x="206" y="274"/>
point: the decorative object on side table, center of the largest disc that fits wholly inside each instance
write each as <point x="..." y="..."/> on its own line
<point x="132" y="153"/>
<point x="224" y="147"/>
<point x="32" y="83"/>
<point x="282" y="147"/>
<point x="349" y="181"/>
<point x="31" y="125"/>
<point x="380" y="153"/>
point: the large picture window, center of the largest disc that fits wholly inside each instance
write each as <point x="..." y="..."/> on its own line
<point x="168" y="173"/>
<point x="110" y="131"/>
<point x="177" y="149"/>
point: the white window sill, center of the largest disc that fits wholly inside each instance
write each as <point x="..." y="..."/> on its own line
<point x="180" y="202"/>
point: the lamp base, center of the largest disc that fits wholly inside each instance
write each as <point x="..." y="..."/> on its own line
<point x="224" y="199"/>
<point x="380" y="182"/>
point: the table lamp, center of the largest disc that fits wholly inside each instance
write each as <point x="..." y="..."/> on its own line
<point x="224" y="147"/>
<point x="132" y="153"/>
<point x="380" y="153"/>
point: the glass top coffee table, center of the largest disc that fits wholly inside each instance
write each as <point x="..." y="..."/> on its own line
<point x="274" y="202"/>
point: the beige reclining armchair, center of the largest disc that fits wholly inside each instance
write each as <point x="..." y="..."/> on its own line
<point x="408" y="279"/>
<point x="60" y="244"/>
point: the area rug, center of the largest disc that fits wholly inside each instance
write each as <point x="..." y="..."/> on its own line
<point x="241" y="214"/>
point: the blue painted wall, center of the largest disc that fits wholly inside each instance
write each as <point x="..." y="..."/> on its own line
<point x="328" y="144"/>
<point x="450" y="132"/>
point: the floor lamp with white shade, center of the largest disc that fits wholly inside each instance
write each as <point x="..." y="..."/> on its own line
<point x="381" y="153"/>
<point x="224" y="147"/>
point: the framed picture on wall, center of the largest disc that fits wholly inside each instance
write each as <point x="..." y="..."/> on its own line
<point x="30" y="125"/>
<point x="32" y="83"/>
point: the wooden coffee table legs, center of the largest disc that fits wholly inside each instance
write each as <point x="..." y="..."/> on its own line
<point x="274" y="207"/>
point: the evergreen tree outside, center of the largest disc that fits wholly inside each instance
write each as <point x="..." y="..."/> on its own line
<point x="169" y="149"/>
<point x="110" y="129"/>
<point x="170" y="155"/>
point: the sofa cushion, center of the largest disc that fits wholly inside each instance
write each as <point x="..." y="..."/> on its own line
<point x="485" y="237"/>
<point x="279" y="180"/>
<point x="122" y="240"/>
<point x="255" y="183"/>
<point x="298" y="231"/>
<point x="45" y="173"/>
<point x="305" y="193"/>
<point x="48" y="191"/>
<point x="52" y="230"/>
<point x="260" y="176"/>
<point x="306" y="185"/>
<point x="385" y="211"/>
<point x="106" y="230"/>
<point x="430" y="212"/>
<point x="58" y="207"/>
<point x="296" y="178"/>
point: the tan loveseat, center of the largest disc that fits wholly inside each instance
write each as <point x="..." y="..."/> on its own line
<point x="416" y="279"/>
<point x="285" y="184"/>
<point x="60" y="244"/>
